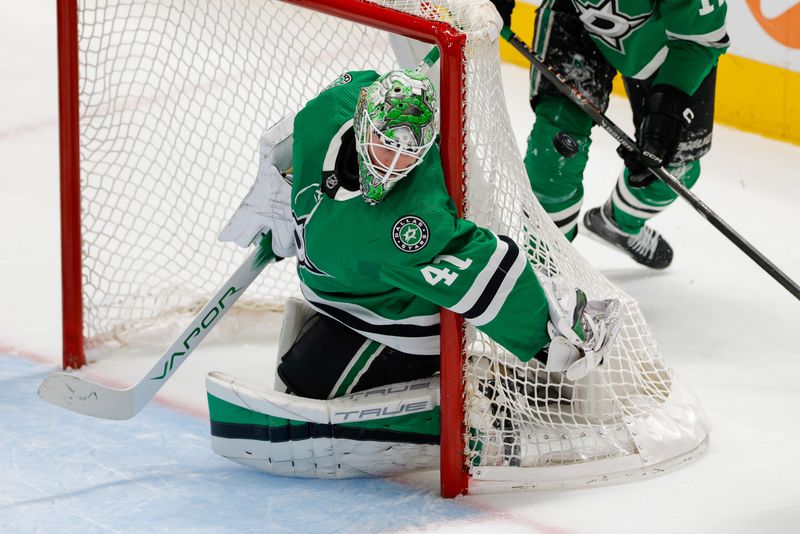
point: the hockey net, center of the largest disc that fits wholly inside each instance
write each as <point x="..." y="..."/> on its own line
<point x="161" y="118"/>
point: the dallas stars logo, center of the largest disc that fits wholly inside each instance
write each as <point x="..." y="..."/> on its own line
<point x="606" y="22"/>
<point x="410" y="233"/>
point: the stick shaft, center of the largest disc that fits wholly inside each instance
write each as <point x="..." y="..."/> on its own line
<point x="75" y="393"/>
<point x="205" y="320"/>
<point x="589" y="107"/>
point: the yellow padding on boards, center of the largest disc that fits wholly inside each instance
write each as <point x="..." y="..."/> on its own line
<point x="757" y="97"/>
<point x="751" y="96"/>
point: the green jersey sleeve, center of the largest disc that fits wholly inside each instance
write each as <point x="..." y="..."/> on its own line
<point x="696" y="37"/>
<point x="485" y="278"/>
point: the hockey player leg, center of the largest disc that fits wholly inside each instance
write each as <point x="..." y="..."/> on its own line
<point x="639" y="197"/>
<point x="561" y="39"/>
<point x="558" y="181"/>
<point x="620" y="222"/>
<point x="330" y="360"/>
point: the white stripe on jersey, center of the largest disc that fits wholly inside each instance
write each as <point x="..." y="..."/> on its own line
<point x="714" y="39"/>
<point x="482" y="280"/>
<point x="653" y="65"/>
<point x="500" y="297"/>
<point x="366" y="314"/>
<point x="425" y="345"/>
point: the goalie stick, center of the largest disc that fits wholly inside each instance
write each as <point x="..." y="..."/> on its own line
<point x="563" y="85"/>
<point x="80" y="395"/>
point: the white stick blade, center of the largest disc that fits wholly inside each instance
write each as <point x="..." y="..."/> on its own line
<point x="81" y="396"/>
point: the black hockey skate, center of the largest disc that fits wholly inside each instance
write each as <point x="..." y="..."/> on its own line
<point x="647" y="247"/>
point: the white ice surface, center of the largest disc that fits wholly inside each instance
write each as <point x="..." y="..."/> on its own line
<point x="725" y="326"/>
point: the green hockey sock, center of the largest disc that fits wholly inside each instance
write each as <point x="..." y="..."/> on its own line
<point x="633" y="206"/>
<point x="556" y="180"/>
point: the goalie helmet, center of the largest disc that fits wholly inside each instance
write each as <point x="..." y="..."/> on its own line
<point x="395" y="126"/>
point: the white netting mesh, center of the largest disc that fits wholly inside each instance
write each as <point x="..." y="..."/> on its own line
<point x="174" y="95"/>
<point x="519" y="414"/>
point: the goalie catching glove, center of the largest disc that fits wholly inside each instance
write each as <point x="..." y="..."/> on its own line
<point x="581" y="331"/>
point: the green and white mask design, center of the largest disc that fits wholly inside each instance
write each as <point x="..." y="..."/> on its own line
<point x="395" y="126"/>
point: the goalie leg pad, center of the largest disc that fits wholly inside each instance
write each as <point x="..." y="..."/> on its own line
<point x="383" y="431"/>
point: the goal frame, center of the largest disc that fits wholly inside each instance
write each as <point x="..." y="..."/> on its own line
<point x="454" y="479"/>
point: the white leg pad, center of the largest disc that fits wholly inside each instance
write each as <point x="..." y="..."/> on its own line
<point x="306" y="447"/>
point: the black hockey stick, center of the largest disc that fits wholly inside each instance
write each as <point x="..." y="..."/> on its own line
<point x="563" y="85"/>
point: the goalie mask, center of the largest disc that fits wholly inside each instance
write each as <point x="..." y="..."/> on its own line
<point x="395" y="126"/>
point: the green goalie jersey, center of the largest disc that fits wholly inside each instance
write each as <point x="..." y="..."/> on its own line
<point x="384" y="270"/>
<point x="681" y="39"/>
